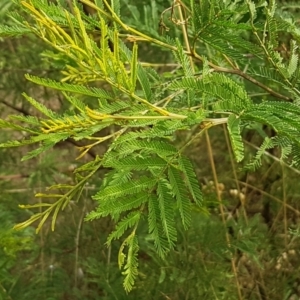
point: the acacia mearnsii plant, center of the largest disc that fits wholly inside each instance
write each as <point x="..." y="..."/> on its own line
<point x="226" y="70"/>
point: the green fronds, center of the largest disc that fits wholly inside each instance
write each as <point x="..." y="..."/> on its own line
<point x="230" y="95"/>
<point x="125" y="189"/>
<point x="9" y="124"/>
<point x="190" y="179"/>
<point x="91" y="62"/>
<point x="234" y="130"/>
<point x="31" y="120"/>
<point x="160" y="148"/>
<point x="180" y="192"/>
<point x="252" y="10"/>
<point x="216" y="38"/>
<point x="267" y="73"/>
<point x="269" y="42"/>
<point x="62" y="200"/>
<point x="283" y="117"/>
<point x="14" y="143"/>
<point x="139" y="163"/>
<point x="45" y="142"/>
<point x="271" y="25"/>
<point x="71" y="88"/>
<point x="212" y="24"/>
<point x="117" y="206"/>
<point x="183" y="60"/>
<point x="160" y="129"/>
<point x="203" y="13"/>
<point x="86" y="43"/>
<point x="43" y="147"/>
<point x="166" y="209"/>
<point x="127" y="222"/>
<point x="145" y="83"/>
<point x="256" y="162"/>
<point x="122" y="192"/>
<point x="40" y="107"/>
<point x="116" y="7"/>
<point x="295" y="154"/>
<point x="156" y="228"/>
<point x="6" y="31"/>
<point x="294" y="58"/>
<point x="134" y="65"/>
<point x="131" y="266"/>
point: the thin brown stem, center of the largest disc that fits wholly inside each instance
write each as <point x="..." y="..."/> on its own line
<point x="271" y="197"/>
<point x="242" y="201"/>
<point x="245" y="76"/>
<point x="284" y="206"/>
<point x="213" y="167"/>
<point x="77" y="243"/>
<point x="185" y="33"/>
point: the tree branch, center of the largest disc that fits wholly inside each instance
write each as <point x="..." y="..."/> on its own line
<point x="244" y="75"/>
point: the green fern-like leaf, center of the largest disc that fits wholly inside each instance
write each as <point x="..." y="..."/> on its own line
<point x="117" y="206"/>
<point x="190" y="179"/>
<point x="183" y="60"/>
<point x="166" y="207"/>
<point x="233" y="96"/>
<point x="293" y="61"/>
<point x="160" y="148"/>
<point x="179" y="190"/>
<point x="139" y="163"/>
<point x="8" y="124"/>
<point x="155" y="227"/>
<point x="131" y="266"/>
<point x="256" y="162"/>
<point x="66" y="87"/>
<point x="127" y="188"/>
<point x="38" y="151"/>
<point x="145" y="83"/>
<point x="43" y="109"/>
<point x="295" y="153"/>
<point x="10" y="31"/>
<point x="281" y="116"/>
<point x="233" y="126"/>
<point x="127" y="222"/>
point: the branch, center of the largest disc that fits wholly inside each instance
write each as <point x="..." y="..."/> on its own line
<point x="245" y="76"/>
<point x="20" y="110"/>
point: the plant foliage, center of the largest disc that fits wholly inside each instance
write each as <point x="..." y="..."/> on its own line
<point x="117" y="100"/>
